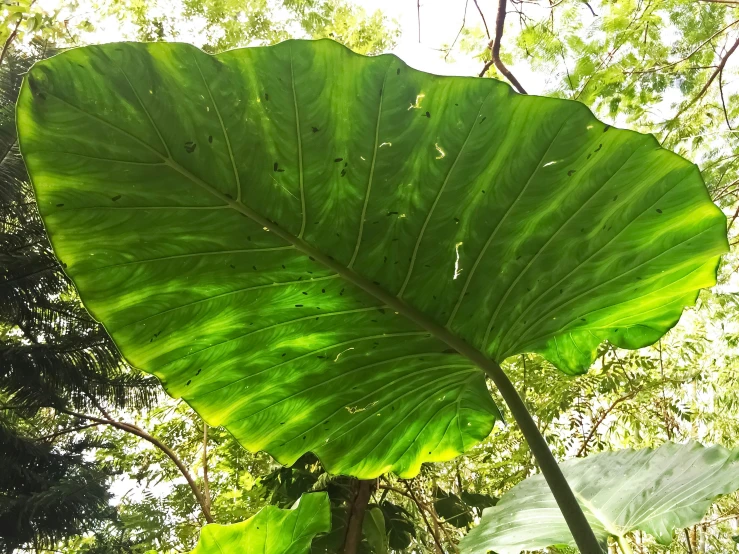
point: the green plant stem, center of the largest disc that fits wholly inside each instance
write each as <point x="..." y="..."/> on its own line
<point x="624" y="545"/>
<point x="573" y="514"/>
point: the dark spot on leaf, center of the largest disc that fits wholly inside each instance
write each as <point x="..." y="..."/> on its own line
<point x="275" y="166"/>
<point x="337" y="160"/>
<point x="210" y="138"/>
<point x="570" y="172"/>
<point x="314" y="129"/>
<point x="392" y="213"/>
<point x="226" y="194"/>
<point x="397" y="71"/>
<point x="659" y="211"/>
<point x="305" y="293"/>
<point x="188" y="382"/>
<point x="311" y="258"/>
<point x="232" y="266"/>
<point x="59" y="205"/>
<point x="599" y="147"/>
<point x="283" y="266"/>
<point x="343" y="172"/>
<point x="199" y="370"/>
<point x="298" y="305"/>
<point x="428" y="115"/>
<point x="284" y="354"/>
<point x="116" y="198"/>
<point x="483" y="119"/>
<point x="323" y="291"/>
<point x="615" y="198"/>
<point x="190" y="147"/>
<point x="266" y="97"/>
<point x="254" y="267"/>
<point x="606" y="128"/>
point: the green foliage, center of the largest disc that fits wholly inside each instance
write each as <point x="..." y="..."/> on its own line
<point x="220" y="25"/>
<point x="271" y="531"/>
<point x="452" y="508"/>
<point x="655" y="491"/>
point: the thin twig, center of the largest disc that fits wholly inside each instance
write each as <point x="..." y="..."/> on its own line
<point x="128" y="428"/>
<point x="464" y="21"/>
<point x="423" y="515"/>
<point x="721" y="91"/>
<point x="12" y="35"/>
<point x="418" y="12"/>
<point x="668" y="429"/>
<point x="66" y="431"/>
<point x="601" y="419"/>
<point x="482" y="16"/>
<point x="591" y="9"/>
<point x="703" y="90"/>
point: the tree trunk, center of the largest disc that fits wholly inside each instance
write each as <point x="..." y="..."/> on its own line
<point x="353" y="536"/>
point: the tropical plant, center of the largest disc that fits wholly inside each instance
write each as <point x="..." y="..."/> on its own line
<point x="624" y="491"/>
<point x="271" y="531"/>
<point x="375" y="240"/>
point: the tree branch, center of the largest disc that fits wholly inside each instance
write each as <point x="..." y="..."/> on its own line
<point x="718" y="70"/>
<point x="128" y="428"/>
<point x="206" y="487"/>
<point x="495" y="50"/>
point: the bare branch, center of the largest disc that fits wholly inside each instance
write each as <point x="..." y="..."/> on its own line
<point x="499" y="25"/>
<point x="128" y="428"/>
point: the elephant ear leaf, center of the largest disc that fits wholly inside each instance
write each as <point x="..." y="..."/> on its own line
<point x="654" y="491"/>
<point x="271" y="531"/>
<point x="299" y="240"/>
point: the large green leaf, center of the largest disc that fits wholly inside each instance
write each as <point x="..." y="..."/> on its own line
<point x="651" y="490"/>
<point x="291" y="237"/>
<point x="271" y="531"/>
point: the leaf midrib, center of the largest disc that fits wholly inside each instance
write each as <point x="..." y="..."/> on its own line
<point x="390" y="300"/>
